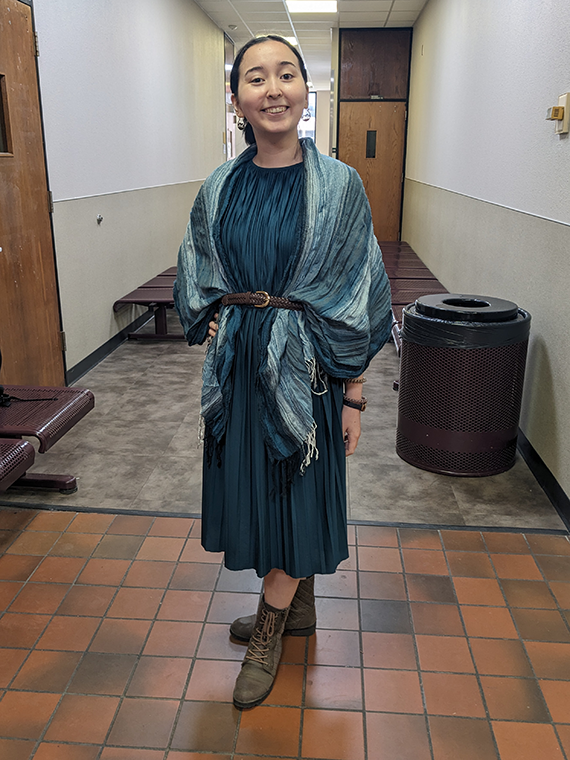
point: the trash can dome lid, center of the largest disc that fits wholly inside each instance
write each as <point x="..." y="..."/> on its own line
<point x="466" y="308"/>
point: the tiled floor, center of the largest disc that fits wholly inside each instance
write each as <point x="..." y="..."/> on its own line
<point x="431" y="645"/>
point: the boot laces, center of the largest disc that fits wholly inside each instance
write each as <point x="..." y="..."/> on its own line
<point x="261" y="638"/>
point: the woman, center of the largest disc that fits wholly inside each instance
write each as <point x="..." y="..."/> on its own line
<point x="280" y="267"/>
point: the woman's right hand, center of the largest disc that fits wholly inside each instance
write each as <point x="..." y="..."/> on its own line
<point x="213" y="326"/>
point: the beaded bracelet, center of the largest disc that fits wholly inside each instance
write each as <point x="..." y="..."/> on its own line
<point x="355" y="403"/>
<point x="355" y="379"/>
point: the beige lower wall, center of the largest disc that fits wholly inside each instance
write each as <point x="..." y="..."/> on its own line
<point x="484" y="249"/>
<point x="99" y="263"/>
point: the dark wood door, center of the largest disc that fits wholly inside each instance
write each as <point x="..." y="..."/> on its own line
<point x="371" y="138"/>
<point x="30" y="337"/>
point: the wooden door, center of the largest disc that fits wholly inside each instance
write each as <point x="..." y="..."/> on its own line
<point x="30" y="328"/>
<point x="371" y="137"/>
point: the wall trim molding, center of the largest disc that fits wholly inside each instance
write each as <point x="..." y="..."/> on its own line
<point x="129" y="190"/>
<point x="545" y="479"/>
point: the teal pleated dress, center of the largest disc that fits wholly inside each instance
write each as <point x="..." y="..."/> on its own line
<point x="248" y="512"/>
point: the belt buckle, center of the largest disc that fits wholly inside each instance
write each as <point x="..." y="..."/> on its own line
<point x="266" y="302"/>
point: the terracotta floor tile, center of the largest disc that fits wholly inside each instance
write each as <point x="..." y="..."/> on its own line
<point x="392" y="736"/>
<point x="351" y="534"/>
<point x="15" y="749"/>
<point x="92" y="601"/>
<point x="149" y="574"/>
<point x="10" y="662"/>
<point x="564" y="738"/>
<point x="334" y="648"/>
<point x="193" y="552"/>
<point x="118" y="547"/>
<point x="372" y="535"/>
<point x="174" y="527"/>
<point x="102" y="674"/>
<point x="157" y="548"/>
<point x="528" y="594"/>
<point x="195" y="576"/>
<point x="350" y="562"/>
<point x="47" y="671"/>
<point x="90" y="522"/>
<point x="226" y="607"/>
<point x="137" y="603"/>
<point x="213" y="680"/>
<point x="16" y="519"/>
<point x="549" y="660"/>
<point x="16" y="568"/>
<point x="131" y="525"/>
<point x="506" y="543"/>
<point x="463" y="540"/>
<point x="19" y="630"/>
<point x="55" y="751"/>
<point x="33" y="543"/>
<point x="240" y="580"/>
<point x="516" y="566"/>
<point x="395" y="691"/>
<point x="172" y="639"/>
<point x="526" y="741"/>
<point x="23" y="715"/>
<point x="479" y="591"/>
<point x="554" y="568"/>
<point x="160" y="677"/>
<point x="208" y="727"/>
<point x="500" y="657"/>
<point x="144" y="723"/>
<point x="40" y="598"/>
<point x="430" y="588"/>
<point x="557" y="696"/>
<point x="71" y="634"/>
<point x="332" y="734"/>
<point x="388" y="650"/>
<point x="51" y="521"/>
<point x="82" y="719"/>
<point x="341" y="584"/>
<point x="336" y="688"/>
<point x="104" y="572"/>
<point x="196" y="530"/>
<point x="216" y="643"/>
<point x="385" y="616"/>
<point x="461" y="739"/>
<point x="340" y="614"/>
<point x="294" y="650"/>
<point x="425" y="561"/>
<point x="541" y="625"/>
<point x="288" y="687"/>
<point x="419" y="538"/>
<point x="444" y="653"/>
<point x="439" y="619"/>
<point x="378" y="559"/>
<point x="121" y="636"/>
<point x="116" y="753"/>
<point x="488" y="622"/>
<point x="6" y="538"/>
<point x="549" y="544"/>
<point x="561" y="590"/>
<point x="184" y="605"/>
<point x="470" y="564"/>
<point x="58" y="570"/>
<point x="76" y="545"/>
<point x="8" y="590"/>
<point x="514" y="699"/>
<point x="382" y="586"/>
<point x="452" y="694"/>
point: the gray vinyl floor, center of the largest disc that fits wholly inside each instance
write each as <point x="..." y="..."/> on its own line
<point x="138" y="451"/>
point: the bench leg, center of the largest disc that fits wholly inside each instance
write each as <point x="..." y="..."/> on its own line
<point x="63" y="483"/>
<point x="160" y="328"/>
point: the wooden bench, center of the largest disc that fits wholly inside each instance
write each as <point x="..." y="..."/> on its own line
<point x="156" y="294"/>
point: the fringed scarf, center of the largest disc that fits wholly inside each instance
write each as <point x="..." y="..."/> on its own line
<point x="338" y="276"/>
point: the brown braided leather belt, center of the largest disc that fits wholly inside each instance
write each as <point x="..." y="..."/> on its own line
<point x="261" y="300"/>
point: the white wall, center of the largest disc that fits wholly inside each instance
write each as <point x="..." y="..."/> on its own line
<point x="322" y="136"/>
<point x="133" y="102"/>
<point x="487" y="194"/>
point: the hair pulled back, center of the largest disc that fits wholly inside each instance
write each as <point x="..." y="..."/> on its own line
<point x="234" y="75"/>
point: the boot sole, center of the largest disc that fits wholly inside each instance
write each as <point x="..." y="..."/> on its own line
<point x="294" y="632"/>
<point x="248" y="705"/>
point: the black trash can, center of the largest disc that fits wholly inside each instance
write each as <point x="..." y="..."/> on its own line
<point x="461" y="381"/>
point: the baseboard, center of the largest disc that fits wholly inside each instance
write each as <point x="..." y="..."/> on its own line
<point x="82" y="368"/>
<point x="545" y="478"/>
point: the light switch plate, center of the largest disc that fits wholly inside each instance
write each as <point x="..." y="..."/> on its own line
<point x="562" y="126"/>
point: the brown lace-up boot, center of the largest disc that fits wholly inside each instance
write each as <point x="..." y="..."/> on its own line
<point x="301" y="621"/>
<point x="261" y="661"/>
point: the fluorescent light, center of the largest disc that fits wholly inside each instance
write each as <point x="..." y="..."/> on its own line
<point x="291" y="40"/>
<point x="312" y="6"/>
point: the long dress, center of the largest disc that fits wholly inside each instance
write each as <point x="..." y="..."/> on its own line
<point x="248" y="510"/>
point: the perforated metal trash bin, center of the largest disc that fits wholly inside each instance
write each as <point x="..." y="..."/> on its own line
<point x="461" y="381"/>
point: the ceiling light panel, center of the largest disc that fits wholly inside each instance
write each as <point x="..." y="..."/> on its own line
<point x="312" y="6"/>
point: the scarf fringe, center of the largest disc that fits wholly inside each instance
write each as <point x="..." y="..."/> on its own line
<point x="310" y="450"/>
<point x="317" y="377"/>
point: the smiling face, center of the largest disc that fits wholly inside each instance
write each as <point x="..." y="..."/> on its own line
<point x="271" y="91"/>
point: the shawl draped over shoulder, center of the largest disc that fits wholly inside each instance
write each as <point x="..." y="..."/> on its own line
<point x="338" y="276"/>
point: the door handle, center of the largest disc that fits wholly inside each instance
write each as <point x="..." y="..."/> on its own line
<point x="371" y="143"/>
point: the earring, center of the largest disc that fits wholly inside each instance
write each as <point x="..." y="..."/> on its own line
<point x="241" y="123"/>
<point x="306" y="114"/>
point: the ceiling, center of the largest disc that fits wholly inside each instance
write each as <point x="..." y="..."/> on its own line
<point x="313" y="31"/>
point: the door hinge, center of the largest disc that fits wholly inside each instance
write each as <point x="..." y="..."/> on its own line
<point x="63" y="340"/>
<point x="36" y="45"/>
<point x="50" y="202"/>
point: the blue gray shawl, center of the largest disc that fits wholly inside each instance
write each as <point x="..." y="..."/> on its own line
<point x="338" y="276"/>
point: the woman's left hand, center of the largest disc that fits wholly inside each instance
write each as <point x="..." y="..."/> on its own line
<point x="350" y="428"/>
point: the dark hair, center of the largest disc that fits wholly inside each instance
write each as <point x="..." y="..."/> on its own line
<point x="234" y="76"/>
